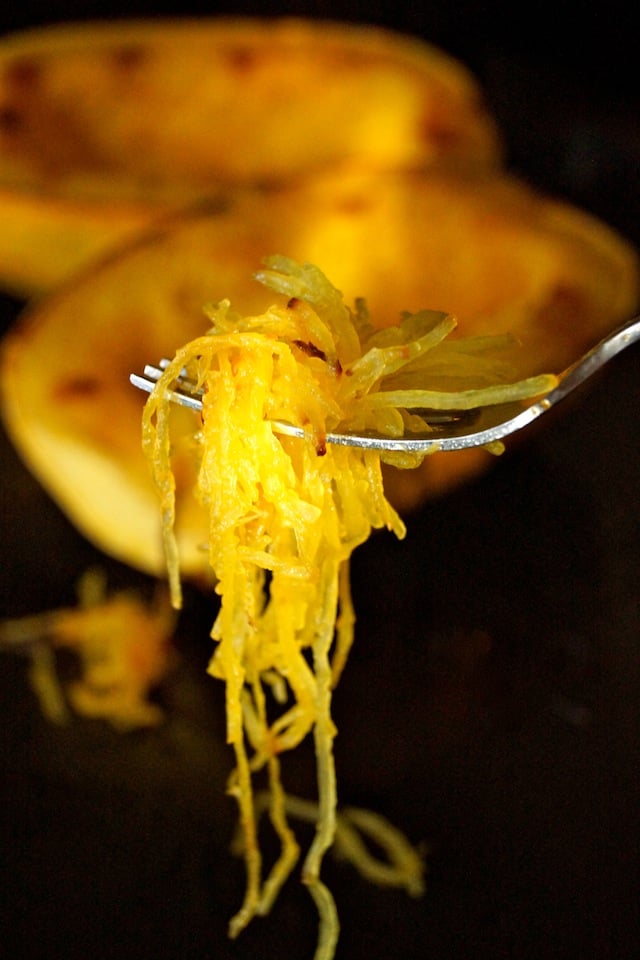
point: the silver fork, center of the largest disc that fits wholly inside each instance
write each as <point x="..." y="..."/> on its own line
<point x="452" y="430"/>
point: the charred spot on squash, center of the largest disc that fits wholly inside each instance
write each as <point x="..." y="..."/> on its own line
<point x="242" y="59"/>
<point x="355" y="204"/>
<point x="440" y="129"/>
<point x="129" y="57"/>
<point x="23" y="74"/>
<point x="563" y="306"/>
<point x="76" y="388"/>
<point x="11" y="120"/>
<point x="310" y="349"/>
<point x="21" y="81"/>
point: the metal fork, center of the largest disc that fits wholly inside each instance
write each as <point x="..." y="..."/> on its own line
<point x="452" y="430"/>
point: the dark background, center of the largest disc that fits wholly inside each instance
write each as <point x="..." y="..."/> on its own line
<point x="515" y="758"/>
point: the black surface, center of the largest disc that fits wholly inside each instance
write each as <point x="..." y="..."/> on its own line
<point x="514" y="759"/>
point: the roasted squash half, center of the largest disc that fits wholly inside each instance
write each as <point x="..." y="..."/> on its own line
<point x="104" y="126"/>
<point x="487" y="248"/>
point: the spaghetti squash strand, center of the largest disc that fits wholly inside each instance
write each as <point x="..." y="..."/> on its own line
<point x="290" y="849"/>
<point x="240" y="786"/>
<point x="324" y="732"/>
<point x="345" y="625"/>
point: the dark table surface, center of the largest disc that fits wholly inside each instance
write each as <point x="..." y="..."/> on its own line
<point x="515" y="759"/>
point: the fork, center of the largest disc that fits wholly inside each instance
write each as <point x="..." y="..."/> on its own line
<point x="448" y="430"/>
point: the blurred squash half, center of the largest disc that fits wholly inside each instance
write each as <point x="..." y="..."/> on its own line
<point x="105" y="126"/>
<point x="485" y="248"/>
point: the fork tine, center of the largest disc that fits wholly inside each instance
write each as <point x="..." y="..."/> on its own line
<point x="185" y="397"/>
<point x="183" y="381"/>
